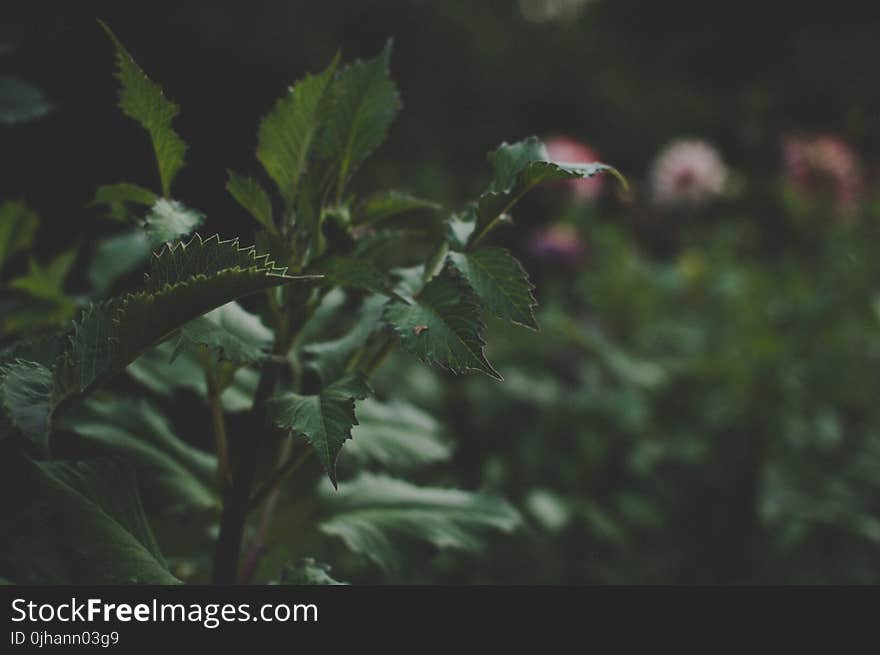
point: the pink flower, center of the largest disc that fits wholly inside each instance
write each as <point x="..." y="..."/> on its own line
<point x="813" y="161"/>
<point x="559" y="242"/>
<point x="568" y="151"/>
<point x="687" y="172"/>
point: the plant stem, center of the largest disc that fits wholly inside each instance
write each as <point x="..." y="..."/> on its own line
<point x="237" y="492"/>
<point x="224" y="474"/>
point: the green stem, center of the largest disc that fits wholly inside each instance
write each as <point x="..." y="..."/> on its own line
<point x="237" y="492"/>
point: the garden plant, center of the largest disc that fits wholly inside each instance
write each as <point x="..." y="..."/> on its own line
<point x="267" y="339"/>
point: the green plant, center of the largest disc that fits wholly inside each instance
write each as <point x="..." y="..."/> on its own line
<point x="277" y="341"/>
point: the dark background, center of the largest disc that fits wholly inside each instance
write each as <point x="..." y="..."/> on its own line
<point x="624" y="76"/>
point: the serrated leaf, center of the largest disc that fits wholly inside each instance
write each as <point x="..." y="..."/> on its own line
<point x="173" y="476"/>
<point x="231" y="331"/>
<point x="143" y="100"/>
<point x="397" y="436"/>
<point x="500" y="282"/>
<point x="388" y="204"/>
<point x="286" y="135"/>
<point x="308" y="572"/>
<point x="25" y="398"/>
<point x="325" y="419"/>
<point x="18" y="225"/>
<point x="74" y="523"/>
<point x="373" y="512"/>
<point x="363" y="103"/>
<point x="518" y="168"/>
<point x="442" y="327"/>
<point x="21" y="102"/>
<point x="253" y="197"/>
<point x="185" y="281"/>
<point x="169" y="220"/>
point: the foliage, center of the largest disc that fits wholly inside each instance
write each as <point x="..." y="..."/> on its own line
<point x="270" y="345"/>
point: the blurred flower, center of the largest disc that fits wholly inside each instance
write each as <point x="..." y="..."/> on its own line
<point x="565" y="150"/>
<point x="559" y="242"/>
<point x="687" y="172"/>
<point x="542" y="11"/>
<point x="812" y="161"/>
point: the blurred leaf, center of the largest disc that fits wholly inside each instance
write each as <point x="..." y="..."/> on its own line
<point x="18" y="225"/>
<point x="325" y="420"/>
<point x="363" y="103"/>
<point x="350" y="273"/>
<point x="372" y="513"/>
<point x="249" y="194"/>
<point x="169" y="220"/>
<point x="117" y="196"/>
<point x="330" y="358"/>
<point x="156" y="371"/>
<point x="397" y="435"/>
<point x="75" y="523"/>
<point x="21" y="102"/>
<point x="25" y="395"/>
<point x="388" y="204"/>
<point x="173" y="476"/>
<point x="234" y="333"/>
<point x="442" y="327"/>
<point x="117" y="256"/>
<point x="46" y="282"/>
<point x="308" y="572"/>
<point x="286" y="135"/>
<point x="143" y="100"/>
<point x="500" y="282"/>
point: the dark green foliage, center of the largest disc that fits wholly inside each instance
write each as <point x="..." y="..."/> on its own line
<point x="216" y="329"/>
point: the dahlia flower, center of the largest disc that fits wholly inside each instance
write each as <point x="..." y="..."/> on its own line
<point x="687" y="172"/>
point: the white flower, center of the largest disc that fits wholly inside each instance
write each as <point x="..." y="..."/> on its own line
<point x="687" y="173"/>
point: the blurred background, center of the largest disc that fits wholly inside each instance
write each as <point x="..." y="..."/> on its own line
<point x="701" y="403"/>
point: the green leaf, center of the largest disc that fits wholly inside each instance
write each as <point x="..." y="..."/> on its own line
<point x="325" y="419"/>
<point x="25" y="396"/>
<point x="117" y="196"/>
<point x="442" y="327"/>
<point x="388" y="204"/>
<point x="18" y="225"/>
<point x="363" y="103"/>
<point x="74" y="523"/>
<point x="519" y="168"/>
<point x="286" y="135"/>
<point x="249" y="194"/>
<point x="21" y="102"/>
<point x="500" y="282"/>
<point x="117" y="256"/>
<point x="397" y="435"/>
<point x="185" y="281"/>
<point x="173" y="476"/>
<point x="308" y="572"/>
<point x="329" y="359"/>
<point x="164" y="377"/>
<point x="169" y="220"/>
<point x="143" y="100"/>
<point x="351" y="273"/>
<point x="231" y="331"/>
<point x="46" y="282"/>
<point x="372" y="512"/>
